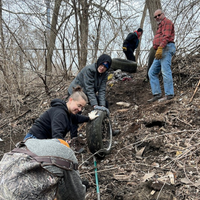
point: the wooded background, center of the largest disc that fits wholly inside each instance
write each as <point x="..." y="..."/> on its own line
<point x="42" y="40"/>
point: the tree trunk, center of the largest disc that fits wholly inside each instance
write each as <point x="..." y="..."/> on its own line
<point x="3" y="64"/>
<point x="52" y="38"/>
<point x="83" y="16"/>
<point x="76" y="10"/>
<point x="141" y="26"/>
<point x="152" y="6"/>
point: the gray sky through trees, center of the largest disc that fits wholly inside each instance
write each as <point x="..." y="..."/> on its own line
<point x="27" y="21"/>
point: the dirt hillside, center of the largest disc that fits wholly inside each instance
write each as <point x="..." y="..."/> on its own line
<point x="156" y="153"/>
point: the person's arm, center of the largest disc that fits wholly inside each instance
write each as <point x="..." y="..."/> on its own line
<point x="102" y="91"/>
<point x="90" y="85"/>
<point x="60" y="125"/>
<point x="71" y="187"/>
<point x="77" y="119"/>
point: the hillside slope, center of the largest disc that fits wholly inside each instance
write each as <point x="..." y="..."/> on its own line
<point x="156" y="154"/>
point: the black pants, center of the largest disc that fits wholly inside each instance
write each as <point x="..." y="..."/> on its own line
<point x="129" y="54"/>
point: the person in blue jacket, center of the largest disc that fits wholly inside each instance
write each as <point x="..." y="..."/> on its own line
<point x="58" y="119"/>
<point x="131" y="43"/>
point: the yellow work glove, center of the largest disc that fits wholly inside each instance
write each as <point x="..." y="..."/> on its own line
<point x="158" y="54"/>
<point x="124" y="49"/>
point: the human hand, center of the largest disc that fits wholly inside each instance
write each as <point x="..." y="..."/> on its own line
<point x="93" y="114"/>
<point x="124" y="49"/>
<point x="86" y="183"/>
<point x="158" y="54"/>
<point x="102" y="108"/>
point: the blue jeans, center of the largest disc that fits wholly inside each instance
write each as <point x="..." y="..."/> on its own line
<point x="29" y="135"/>
<point x="163" y="65"/>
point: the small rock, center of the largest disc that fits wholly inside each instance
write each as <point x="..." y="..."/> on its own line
<point x="123" y="104"/>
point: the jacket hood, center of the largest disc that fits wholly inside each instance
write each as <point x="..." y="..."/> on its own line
<point x="104" y="58"/>
<point x="59" y="103"/>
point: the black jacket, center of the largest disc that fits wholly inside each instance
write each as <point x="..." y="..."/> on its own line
<point x="56" y="121"/>
<point x="131" y="41"/>
<point x="92" y="82"/>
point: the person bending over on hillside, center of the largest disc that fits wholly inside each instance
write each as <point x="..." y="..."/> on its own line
<point x="92" y="78"/>
<point x="131" y="43"/>
<point x="165" y="48"/>
<point x="58" y="120"/>
<point x="41" y="169"/>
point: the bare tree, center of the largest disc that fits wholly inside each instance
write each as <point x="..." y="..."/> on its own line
<point x="152" y="6"/>
<point x="141" y="25"/>
<point x="82" y="19"/>
<point x="80" y="31"/>
<point x="52" y="37"/>
<point x="3" y="68"/>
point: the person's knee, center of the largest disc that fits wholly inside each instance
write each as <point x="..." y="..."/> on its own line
<point x="149" y="73"/>
<point x="166" y="71"/>
<point x="167" y="76"/>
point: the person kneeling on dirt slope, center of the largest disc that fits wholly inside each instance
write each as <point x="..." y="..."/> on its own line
<point x="93" y="78"/>
<point x="41" y="169"/>
<point x="131" y="43"/>
<point x="58" y="120"/>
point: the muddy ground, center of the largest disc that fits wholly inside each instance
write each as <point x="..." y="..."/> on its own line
<point x="156" y="153"/>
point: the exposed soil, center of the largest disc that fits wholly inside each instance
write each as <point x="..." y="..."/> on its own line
<point x="156" y="153"/>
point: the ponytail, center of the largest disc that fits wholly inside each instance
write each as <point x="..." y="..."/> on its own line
<point x="77" y="93"/>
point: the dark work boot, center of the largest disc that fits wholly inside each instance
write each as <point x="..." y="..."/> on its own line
<point x="168" y="97"/>
<point x="155" y="98"/>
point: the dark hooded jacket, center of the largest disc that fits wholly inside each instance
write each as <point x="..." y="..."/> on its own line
<point x="92" y="81"/>
<point x="131" y="41"/>
<point x="56" y="121"/>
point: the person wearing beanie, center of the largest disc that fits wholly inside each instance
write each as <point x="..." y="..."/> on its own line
<point x="131" y="43"/>
<point x="92" y="78"/>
